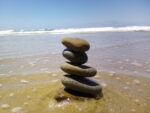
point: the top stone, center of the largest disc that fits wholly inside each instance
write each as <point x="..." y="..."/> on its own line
<point x="76" y="44"/>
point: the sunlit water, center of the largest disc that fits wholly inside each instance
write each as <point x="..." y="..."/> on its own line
<point x="127" y="53"/>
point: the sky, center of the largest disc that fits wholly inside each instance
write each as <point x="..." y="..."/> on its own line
<point x="57" y="14"/>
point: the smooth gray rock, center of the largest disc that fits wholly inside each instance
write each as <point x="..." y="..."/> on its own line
<point x="75" y="57"/>
<point x="83" y="85"/>
<point x="79" y="70"/>
<point x="76" y="44"/>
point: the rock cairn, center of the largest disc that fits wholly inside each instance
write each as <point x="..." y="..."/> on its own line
<point x="77" y="75"/>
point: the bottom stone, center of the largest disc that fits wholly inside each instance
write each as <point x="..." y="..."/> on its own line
<point x="83" y="85"/>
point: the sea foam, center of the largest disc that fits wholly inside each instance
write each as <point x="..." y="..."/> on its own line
<point x="77" y="30"/>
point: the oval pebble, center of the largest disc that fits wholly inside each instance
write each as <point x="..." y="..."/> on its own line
<point x="79" y="70"/>
<point x="81" y="84"/>
<point x="75" y="57"/>
<point x="76" y="44"/>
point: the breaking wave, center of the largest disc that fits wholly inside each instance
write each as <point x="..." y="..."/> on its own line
<point x="77" y="30"/>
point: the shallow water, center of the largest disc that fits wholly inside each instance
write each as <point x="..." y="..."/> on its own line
<point x="127" y="53"/>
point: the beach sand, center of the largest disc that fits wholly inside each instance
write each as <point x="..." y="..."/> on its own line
<point x="44" y="93"/>
<point x="24" y="91"/>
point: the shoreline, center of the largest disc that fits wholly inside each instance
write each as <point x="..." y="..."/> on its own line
<point x="126" y="53"/>
<point x="75" y="31"/>
<point x="37" y="92"/>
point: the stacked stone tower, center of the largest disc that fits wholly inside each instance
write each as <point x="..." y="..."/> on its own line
<point x="77" y="75"/>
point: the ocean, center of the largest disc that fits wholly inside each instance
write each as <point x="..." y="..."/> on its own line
<point x="119" y="52"/>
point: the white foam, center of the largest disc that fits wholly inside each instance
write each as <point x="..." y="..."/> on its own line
<point x="77" y="30"/>
<point x="3" y="32"/>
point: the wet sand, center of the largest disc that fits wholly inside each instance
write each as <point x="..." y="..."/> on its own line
<point x="38" y="94"/>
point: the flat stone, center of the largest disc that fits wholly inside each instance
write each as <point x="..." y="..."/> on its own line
<point x="75" y="57"/>
<point x="83" y="85"/>
<point x="76" y="44"/>
<point x="79" y="70"/>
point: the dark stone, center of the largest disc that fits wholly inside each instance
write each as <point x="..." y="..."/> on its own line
<point x="83" y="85"/>
<point x="75" y="57"/>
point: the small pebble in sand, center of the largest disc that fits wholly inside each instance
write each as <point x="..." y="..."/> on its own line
<point x="51" y="104"/>
<point x="125" y="87"/>
<point x="68" y="99"/>
<point x="111" y="109"/>
<point x="121" y="67"/>
<point x="25" y="103"/>
<point x="97" y="76"/>
<point x="128" y="83"/>
<point x="47" y="72"/>
<point x="136" y="100"/>
<point x="54" y="74"/>
<point x="1" y="85"/>
<point x="16" y="109"/>
<point x="133" y="110"/>
<point x="144" y="104"/>
<point x="127" y="60"/>
<point x="117" y="78"/>
<point x="104" y="84"/>
<point x="111" y="73"/>
<point x="44" y="69"/>
<point x="79" y="109"/>
<point x="32" y="64"/>
<point x="2" y="74"/>
<point x="24" y="81"/>
<point x="11" y="94"/>
<point x="147" y="62"/>
<point x="135" y="71"/>
<point x="34" y="89"/>
<point x="136" y="64"/>
<point x="4" y="106"/>
<point x="120" y="62"/>
<point x="63" y="104"/>
<point x="10" y="71"/>
<point x="54" y="80"/>
<point x="139" y="90"/>
<point x="22" y="66"/>
<point x="148" y="70"/>
<point x="28" y="97"/>
<point x="136" y="81"/>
